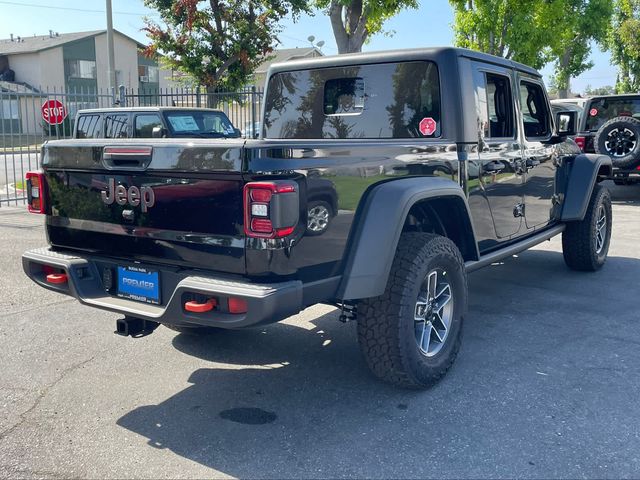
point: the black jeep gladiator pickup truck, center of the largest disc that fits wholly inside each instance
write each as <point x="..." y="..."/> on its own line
<point x="444" y="161"/>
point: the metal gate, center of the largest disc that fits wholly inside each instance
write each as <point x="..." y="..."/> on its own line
<point x="23" y="129"/>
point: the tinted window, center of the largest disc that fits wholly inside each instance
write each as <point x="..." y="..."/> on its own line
<point x="344" y="96"/>
<point x="392" y="100"/>
<point x="202" y="123"/>
<point x="604" y="109"/>
<point x="144" y="125"/>
<point x="115" y="126"/>
<point x="500" y="107"/>
<point x="89" y="126"/>
<point x="535" y="112"/>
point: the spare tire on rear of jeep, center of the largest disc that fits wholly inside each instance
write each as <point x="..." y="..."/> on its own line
<point x="619" y="138"/>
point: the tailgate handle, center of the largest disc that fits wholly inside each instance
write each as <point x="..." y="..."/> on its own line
<point x="129" y="157"/>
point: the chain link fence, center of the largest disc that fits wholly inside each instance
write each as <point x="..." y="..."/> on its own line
<point x="23" y="128"/>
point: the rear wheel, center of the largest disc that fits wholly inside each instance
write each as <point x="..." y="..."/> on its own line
<point x="585" y="244"/>
<point x="411" y="334"/>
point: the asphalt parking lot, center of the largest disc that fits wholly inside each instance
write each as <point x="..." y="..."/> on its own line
<point x="546" y="384"/>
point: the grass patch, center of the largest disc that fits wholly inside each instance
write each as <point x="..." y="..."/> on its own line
<point x="350" y="189"/>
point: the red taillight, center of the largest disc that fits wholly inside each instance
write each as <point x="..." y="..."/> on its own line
<point x="271" y="209"/>
<point x="237" y="305"/>
<point x="638" y="168"/>
<point x="35" y="184"/>
<point x="259" y="225"/>
<point x="261" y="195"/>
<point x="581" y="142"/>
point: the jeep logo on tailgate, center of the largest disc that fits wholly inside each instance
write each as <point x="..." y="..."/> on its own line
<point x="133" y="195"/>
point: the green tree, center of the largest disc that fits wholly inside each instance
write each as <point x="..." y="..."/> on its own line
<point x="576" y="24"/>
<point x="624" y="44"/>
<point x="605" y="90"/>
<point x="355" y="21"/>
<point x="219" y="43"/>
<point x="515" y="29"/>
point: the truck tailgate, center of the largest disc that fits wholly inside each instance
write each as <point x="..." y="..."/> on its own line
<point x="152" y="201"/>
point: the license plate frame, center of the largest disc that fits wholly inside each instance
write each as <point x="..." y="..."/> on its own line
<point x="139" y="284"/>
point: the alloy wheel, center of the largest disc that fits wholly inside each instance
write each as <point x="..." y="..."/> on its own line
<point x="620" y="142"/>
<point x="433" y="313"/>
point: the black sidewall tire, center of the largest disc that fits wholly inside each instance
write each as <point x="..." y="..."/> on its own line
<point x="578" y="240"/>
<point x="421" y="367"/>
<point x="386" y="325"/>
<point x="632" y="124"/>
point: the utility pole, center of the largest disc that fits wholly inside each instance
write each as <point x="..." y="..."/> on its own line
<point x="111" y="70"/>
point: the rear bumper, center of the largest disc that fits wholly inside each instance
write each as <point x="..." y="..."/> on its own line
<point x="266" y="303"/>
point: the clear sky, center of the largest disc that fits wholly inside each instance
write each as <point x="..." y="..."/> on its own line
<point x="430" y="25"/>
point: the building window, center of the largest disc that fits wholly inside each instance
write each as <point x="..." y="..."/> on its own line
<point x="149" y="74"/>
<point x="9" y="110"/>
<point x="81" y="68"/>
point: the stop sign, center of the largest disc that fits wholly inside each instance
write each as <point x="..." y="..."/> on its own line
<point x="53" y="112"/>
<point x="427" y="126"/>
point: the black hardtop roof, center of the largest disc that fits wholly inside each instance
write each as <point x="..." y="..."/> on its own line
<point x="434" y="53"/>
<point x="622" y="96"/>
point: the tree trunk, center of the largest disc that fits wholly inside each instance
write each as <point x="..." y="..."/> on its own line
<point x="564" y="78"/>
<point x="350" y="32"/>
<point x="212" y="97"/>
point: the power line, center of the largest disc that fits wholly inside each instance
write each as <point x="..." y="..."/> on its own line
<point x="71" y="9"/>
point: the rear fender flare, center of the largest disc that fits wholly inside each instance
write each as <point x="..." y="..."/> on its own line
<point x="377" y="232"/>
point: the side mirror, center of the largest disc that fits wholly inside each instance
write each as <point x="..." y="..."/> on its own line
<point x="158" y="132"/>
<point x="237" y="133"/>
<point x="566" y="123"/>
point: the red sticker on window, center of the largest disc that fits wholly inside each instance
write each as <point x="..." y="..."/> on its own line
<point x="593" y="112"/>
<point x="427" y="126"/>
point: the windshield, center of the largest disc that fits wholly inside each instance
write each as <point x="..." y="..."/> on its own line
<point x="601" y="110"/>
<point x="199" y="124"/>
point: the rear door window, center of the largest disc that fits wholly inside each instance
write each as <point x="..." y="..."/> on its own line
<point x="144" y="125"/>
<point x="390" y="100"/>
<point x="116" y="126"/>
<point x="602" y="110"/>
<point x="535" y="111"/>
<point x="89" y="126"/>
<point x="500" y="122"/>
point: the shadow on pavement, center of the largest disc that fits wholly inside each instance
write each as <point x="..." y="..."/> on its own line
<point x="624" y="194"/>
<point x="287" y="401"/>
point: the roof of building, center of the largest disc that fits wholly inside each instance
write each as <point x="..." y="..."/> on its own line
<point x="38" y="43"/>
<point x="14" y="87"/>
<point x="286" y="54"/>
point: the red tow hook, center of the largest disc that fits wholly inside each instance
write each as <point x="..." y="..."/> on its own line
<point x="57" y="278"/>
<point x="196" y="307"/>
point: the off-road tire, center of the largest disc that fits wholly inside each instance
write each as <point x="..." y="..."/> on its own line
<point x="624" y="123"/>
<point x="386" y="323"/>
<point x="579" y="244"/>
